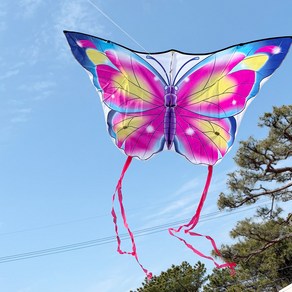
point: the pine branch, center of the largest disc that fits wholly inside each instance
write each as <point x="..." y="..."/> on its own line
<point x="272" y="192"/>
<point x="269" y="244"/>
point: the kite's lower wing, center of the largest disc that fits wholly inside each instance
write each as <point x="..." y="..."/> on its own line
<point x="138" y="134"/>
<point x="203" y="140"/>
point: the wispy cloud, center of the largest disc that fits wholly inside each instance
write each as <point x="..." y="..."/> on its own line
<point x="105" y="285"/>
<point x="75" y="15"/>
<point x="11" y="71"/>
<point x="185" y="200"/>
<point x="3" y="25"/>
<point x="47" y="40"/>
<point x="9" y="74"/>
<point x="39" y="89"/>
<point x="17" y="107"/>
<point x="26" y="289"/>
<point x="178" y="200"/>
<point x="21" y="115"/>
<point x="187" y="187"/>
<point x="172" y="208"/>
<point x="78" y="15"/>
<point x="182" y="205"/>
<point x="3" y="14"/>
<point x="29" y="7"/>
<point x="114" y="281"/>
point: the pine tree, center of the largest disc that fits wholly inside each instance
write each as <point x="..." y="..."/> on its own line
<point x="182" y="278"/>
<point x="265" y="166"/>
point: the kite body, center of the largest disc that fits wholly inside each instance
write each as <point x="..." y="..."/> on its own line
<point x="192" y="104"/>
<point x="189" y="103"/>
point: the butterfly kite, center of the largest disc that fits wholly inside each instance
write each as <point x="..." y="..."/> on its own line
<point x="192" y="104"/>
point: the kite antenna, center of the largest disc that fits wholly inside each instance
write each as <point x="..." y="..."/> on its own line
<point x="118" y="26"/>
<point x="171" y="67"/>
<point x="152" y="58"/>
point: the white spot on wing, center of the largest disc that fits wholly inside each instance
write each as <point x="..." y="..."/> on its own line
<point x="190" y="131"/>
<point x="150" y="129"/>
<point x="276" y="50"/>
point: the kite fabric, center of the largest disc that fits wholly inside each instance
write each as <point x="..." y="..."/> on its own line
<point x="189" y="103"/>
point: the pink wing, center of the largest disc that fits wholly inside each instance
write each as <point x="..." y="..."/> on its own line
<point x="132" y="92"/>
<point x="139" y="135"/>
<point x="214" y="90"/>
<point x="207" y="98"/>
<point x="203" y="140"/>
<point x="136" y="97"/>
<point x="213" y="95"/>
<point x="129" y="86"/>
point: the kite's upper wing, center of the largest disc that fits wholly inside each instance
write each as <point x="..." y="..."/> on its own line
<point x="221" y="84"/>
<point x="127" y="81"/>
<point x="131" y="90"/>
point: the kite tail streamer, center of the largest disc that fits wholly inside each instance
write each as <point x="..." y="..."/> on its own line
<point x="192" y="224"/>
<point x="122" y="209"/>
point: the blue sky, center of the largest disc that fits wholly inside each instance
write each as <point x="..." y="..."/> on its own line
<point x="58" y="165"/>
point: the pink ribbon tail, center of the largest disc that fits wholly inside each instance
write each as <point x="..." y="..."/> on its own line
<point x="123" y="213"/>
<point x="192" y="224"/>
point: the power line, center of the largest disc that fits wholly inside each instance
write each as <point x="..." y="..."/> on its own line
<point x="252" y="286"/>
<point x="51" y="225"/>
<point x="242" y="281"/>
<point x="110" y="239"/>
<point x="102" y="215"/>
<point x="85" y="219"/>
